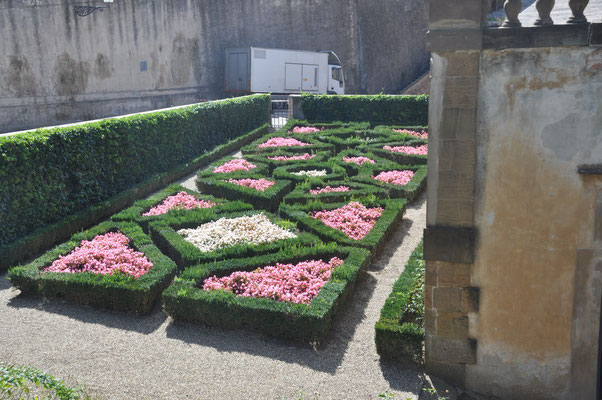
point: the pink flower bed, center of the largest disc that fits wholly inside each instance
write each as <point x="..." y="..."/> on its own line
<point x="238" y="164"/>
<point x="296" y="283"/>
<point x="258" y="184"/>
<point x="180" y="201"/>
<point x="282" y="142"/>
<point x="305" y="129"/>
<point x="354" y="219"/>
<point x="329" y="189"/>
<point x="421" y="135"/>
<point x="104" y="255"/>
<point x="305" y="156"/>
<point x="358" y="160"/>
<point x="420" y="150"/>
<point x="395" y="177"/>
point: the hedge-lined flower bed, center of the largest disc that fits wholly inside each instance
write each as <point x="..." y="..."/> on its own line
<point x="400" y="329"/>
<point x="287" y="143"/>
<point x="410" y="132"/>
<point x="243" y="189"/>
<point x="191" y="239"/>
<point x="283" y="159"/>
<point x="187" y="300"/>
<point x="346" y="138"/>
<point x="234" y="166"/>
<point x="151" y="209"/>
<point x="313" y="171"/>
<point x="124" y="288"/>
<point x="350" y="219"/>
<point x="314" y="191"/>
<point x="392" y="179"/>
<point x="357" y="161"/>
<point x="412" y="152"/>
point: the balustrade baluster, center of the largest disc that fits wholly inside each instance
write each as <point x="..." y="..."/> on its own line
<point x="544" y="8"/>
<point x="577" y="7"/>
<point x="512" y="9"/>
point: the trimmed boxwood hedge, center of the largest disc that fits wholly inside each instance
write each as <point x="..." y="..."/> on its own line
<point x="314" y="147"/>
<point x="333" y="172"/>
<point x="134" y="213"/>
<point x="268" y="200"/>
<point x="377" y="109"/>
<point x="400" y="329"/>
<point x="301" y="193"/>
<point x="185" y="254"/>
<point x="48" y="174"/>
<point x="400" y="158"/>
<point x="374" y="240"/>
<point x="62" y="230"/>
<point x="355" y="169"/>
<point x="260" y="169"/>
<point x="410" y="191"/>
<point x="117" y="291"/>
<point x="326" y="125"/>
<point x="351" y="139"/>
<point x="185" y="300"/>
<point x="273" y="164"/>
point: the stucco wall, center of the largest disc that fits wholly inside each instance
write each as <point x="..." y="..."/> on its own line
<point x="59" y="67"/>
<point x="539" y="116"/>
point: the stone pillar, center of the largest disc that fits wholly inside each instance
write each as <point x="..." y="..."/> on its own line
<point x="455" y="39"/>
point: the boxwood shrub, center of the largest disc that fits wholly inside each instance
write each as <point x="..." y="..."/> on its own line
<point x="268" y="200"/>
<point x="374" y="240"/>
<point x="186" y="300"/>
<point x="48" y="174"/>
<point x="377" y="109"/>
<point x="355" y="169"/>
<point x="117" y="291"/>
<point x="185" y="254"/>
<point x="314" y="145"/>
<point x="410" y="191"/>
<point x="327" y="126"/>
<point x="400" y="158"/>
<point x="351" y="139"/>
<point x="264" y="158"/>
<point x="301" y="194"/>
<point x="260" y="169"/>
<point x="333" y="172"/>
<point x="134" y="213"/>
<point x="400" y="329"/>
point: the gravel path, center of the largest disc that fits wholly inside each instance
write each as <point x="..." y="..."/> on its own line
<point x="119" y="356"/>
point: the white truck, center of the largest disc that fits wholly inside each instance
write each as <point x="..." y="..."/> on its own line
<point x="278" y="71"/>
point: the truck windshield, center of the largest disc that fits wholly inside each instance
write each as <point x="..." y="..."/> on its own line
<point x="336" y="74"/>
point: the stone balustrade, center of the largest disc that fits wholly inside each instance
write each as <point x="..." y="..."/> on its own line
<point x="544" y="7"/>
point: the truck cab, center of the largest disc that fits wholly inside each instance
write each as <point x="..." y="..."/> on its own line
<point x="336" y="81"/>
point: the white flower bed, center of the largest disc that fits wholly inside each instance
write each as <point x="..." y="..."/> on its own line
<point x="224" y="232"/>
<point x="312" y="172"/>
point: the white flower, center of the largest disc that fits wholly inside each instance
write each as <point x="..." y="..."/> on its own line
<point x="312" y="172"/>
<point x="224" y="232"/>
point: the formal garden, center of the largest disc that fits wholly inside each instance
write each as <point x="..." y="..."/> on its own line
<point x="273" y="240"/>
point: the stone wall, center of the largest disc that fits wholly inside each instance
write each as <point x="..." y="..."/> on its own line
<point x="143" y="54"/>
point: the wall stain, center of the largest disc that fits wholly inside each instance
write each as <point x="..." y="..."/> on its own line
<point x="71" y="75"/>
<point x="185" y="55"/>
<point x="19" y="78"/>
<point x="102" y="67"/>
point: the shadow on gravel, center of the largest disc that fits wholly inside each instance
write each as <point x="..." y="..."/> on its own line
<point x="327" y="357"/>
<point x="396" y="374"/>
<point x="4" y="283"/>
<point x="382" y="259"/>
<point x="113" y="319"/>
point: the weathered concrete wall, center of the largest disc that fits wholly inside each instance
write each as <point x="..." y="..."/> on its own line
<point x="59" y="67"/>
<point x="539" y="116"/>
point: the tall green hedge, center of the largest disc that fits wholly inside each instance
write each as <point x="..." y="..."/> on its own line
<point x="48" y="174"/>
<point x="377" y="109"/>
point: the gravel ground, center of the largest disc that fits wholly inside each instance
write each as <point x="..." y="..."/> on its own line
<point x="118" y="355"/>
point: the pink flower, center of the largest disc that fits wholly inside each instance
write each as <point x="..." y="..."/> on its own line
<point x="104" y="255"/>
<point x="421" y="135"/>
<point x="295" y="283"/>
<point x="258" y="184"/>
<point x="329" y="189"/>
<point x="238" y="164"/>
<point x="358" y="160"/>
<point x="282" y="142"/>
<point x="305" y="156"/>
<point x="354" y="219"/>
<point x="395" y="177"/>
<point x="420" y="150"/>
<point x="180" y="201"/>
<point x="305" y="129"/>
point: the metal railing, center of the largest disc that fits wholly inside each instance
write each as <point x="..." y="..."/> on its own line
<point x="280" y="113"/>
<point x="544" y="7"/>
